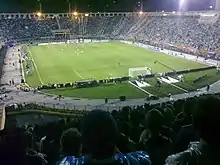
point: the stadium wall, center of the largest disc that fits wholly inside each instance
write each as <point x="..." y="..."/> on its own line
<point x="72" y="42"/>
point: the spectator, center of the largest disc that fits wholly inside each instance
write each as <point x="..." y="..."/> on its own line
<point x="153" y="140"/>
<point x="71" y="143"/>
<point x="206" y="118"/>
<point x="50" y="147"/>
<point x="184" y="137"/>
<point x="33" y="158"/>
<point x="99" y="136"/>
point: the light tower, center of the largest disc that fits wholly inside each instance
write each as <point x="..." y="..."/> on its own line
<point x="183" y="5"/>
<point x="140" y="5"/>
<point x="40" y="6"/>
<point x="217" y="5"/>
<point x="69" y="2"/>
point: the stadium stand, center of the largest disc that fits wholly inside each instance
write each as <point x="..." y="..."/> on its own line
<point x="147" y="134"/>
<point x="158" y="130"/>
<point x="197" y="33"/>
<point x="193" y="30"/>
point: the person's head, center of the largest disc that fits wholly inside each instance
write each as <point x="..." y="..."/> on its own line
<point x="99" y="134"/>
<point x="125" y="112"/>
<point x="153" y="120"/>
<point x="206" y="120"/>
<point x="189" y="105"/>
<point x="70" y="142"/>
<point x="168" y="116"/>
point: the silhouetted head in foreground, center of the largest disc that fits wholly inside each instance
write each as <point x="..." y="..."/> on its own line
<point x="70" y="142"/>
<point x="153" y="121"/>
<point x="206" y="120"/>
<point x="99" y="134"/>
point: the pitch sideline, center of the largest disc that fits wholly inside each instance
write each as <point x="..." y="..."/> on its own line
<point x="38" y="73"/>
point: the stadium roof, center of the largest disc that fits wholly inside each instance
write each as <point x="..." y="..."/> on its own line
<point x="49" y="15"/>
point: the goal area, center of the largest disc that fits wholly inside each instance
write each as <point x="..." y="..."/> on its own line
<point x="135" y="72"/>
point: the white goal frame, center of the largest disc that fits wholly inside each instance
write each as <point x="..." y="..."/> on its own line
<point x="146" y="71"/>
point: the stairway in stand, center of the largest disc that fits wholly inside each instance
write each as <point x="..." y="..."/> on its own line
<point x="58" y="23"/>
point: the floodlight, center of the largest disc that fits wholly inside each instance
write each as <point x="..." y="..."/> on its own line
<point x="86" y="14"/>
<point x="75" y="13"/>
<point x="210" y="7"/>
<point x="39" y="14"/>
<point x="141" y="12"/>
<point x="181" y="3"/>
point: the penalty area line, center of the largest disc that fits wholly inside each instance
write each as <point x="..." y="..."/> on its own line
<point x="32" y="59"/>
<point x="177" y="87"/>
<point x="139" y="88"/>
<point x="78" y="74"/>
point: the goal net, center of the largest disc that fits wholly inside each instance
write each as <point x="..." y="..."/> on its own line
<point x="134" y="72"/>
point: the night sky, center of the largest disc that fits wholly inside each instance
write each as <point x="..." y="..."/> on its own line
<point x="100" y="5"/>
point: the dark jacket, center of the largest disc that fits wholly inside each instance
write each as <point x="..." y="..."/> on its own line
<point x="185" y="136"/>
<point x="196" y="154"/>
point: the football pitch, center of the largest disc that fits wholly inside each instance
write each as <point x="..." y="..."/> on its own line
<point x="73" y="62"/>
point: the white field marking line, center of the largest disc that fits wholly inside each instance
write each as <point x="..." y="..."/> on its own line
<point x="177" y="87"/>
<point x="139" y="88"/>
<point x="38" y="73"/>
<point x="78" y="74"/>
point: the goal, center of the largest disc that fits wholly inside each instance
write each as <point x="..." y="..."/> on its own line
<point x="134" y="72"/>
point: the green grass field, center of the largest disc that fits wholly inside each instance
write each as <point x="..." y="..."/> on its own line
<point x="110" y="91"/>
<point x="73" y="62"/>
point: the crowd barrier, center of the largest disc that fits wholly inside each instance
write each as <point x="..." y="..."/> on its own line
<point x="72" y="41"/>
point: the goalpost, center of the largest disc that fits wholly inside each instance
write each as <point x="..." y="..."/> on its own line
<point x="134" y="72"/>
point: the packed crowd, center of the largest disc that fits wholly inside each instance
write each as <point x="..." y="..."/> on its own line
<point x="30" y="29"/>
<point x="184" y="132"/>
<point x="189" y="31"/>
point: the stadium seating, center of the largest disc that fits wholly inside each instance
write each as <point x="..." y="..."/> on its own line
<point x="189" y="31"/>
<point x="159" y="130"/>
